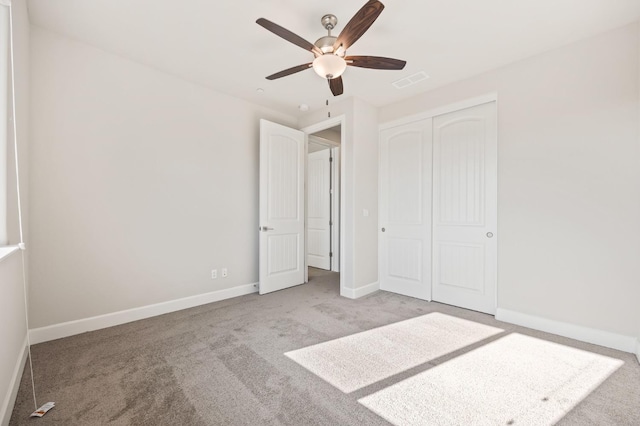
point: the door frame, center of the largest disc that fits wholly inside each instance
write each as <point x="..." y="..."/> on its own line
<point x="344" y="229"/>
<point x="336" y="208"/>
<point x="434" y="112"/>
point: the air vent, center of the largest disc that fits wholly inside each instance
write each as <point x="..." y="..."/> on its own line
<point x="411" y="80"/>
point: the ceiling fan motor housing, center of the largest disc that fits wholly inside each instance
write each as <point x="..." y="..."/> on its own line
<point x="326" y="44"/>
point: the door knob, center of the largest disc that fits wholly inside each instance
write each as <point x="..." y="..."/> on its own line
<point x="383" y="229"/>
<point x="489" y="234"/>
<point x="265" y="228"/>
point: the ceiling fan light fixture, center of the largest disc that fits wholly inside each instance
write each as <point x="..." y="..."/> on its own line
<point x="330" y="51"/>
<point x="329" y="66"/>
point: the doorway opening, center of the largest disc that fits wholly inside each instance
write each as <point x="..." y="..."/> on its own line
<point x="323" y="201"/>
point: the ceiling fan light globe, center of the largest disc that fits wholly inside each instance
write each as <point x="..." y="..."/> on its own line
<point x="329" y="66"/>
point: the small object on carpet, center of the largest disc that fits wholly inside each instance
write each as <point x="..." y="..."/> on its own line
<point x="43" y="410"/>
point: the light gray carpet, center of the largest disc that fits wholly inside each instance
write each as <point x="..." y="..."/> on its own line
<point x="224" y="363"/>
<point x="516" y="379"/>
<point x="358" y="360"/>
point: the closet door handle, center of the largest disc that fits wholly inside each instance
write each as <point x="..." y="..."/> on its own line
<point x="489" y="234"/>
<point x="383" y="229"/>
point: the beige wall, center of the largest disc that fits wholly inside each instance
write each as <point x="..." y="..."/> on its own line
<point x="365" y="151"/>
<point x="568" y="179"/>
<point x="21" y="58"/>
<point x="13" y="329"/>
<point x="141" y="183"/>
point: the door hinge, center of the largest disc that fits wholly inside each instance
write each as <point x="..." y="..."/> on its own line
<point x="330" y="254"/>
<point x="330" y="223"/>
<point x="331" y="159"/>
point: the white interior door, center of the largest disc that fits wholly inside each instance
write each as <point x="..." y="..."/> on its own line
<point x="465" y="208"/>
<point x="405" y="209"/>
<point x="319" y="209"/>
<point x="282" y="152"/>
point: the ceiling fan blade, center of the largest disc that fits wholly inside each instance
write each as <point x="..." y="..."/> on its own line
<point x="335" y="84"/>
<point x="360" y="23"/>
<point x="288" y="35"/>
<point x="290" y="71"/>
<point x="375" y="62"/>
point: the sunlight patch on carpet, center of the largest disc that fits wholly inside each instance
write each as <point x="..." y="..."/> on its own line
<point x="515" y="380"/>
<point x="353" y="362"/>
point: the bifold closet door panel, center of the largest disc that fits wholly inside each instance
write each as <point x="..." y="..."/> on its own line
<point x="465" y="208"/>
<point x="405" y="209"/>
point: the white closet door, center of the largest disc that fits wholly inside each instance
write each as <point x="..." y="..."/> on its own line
<point x="405" y="212"/>
<point x="319" y="209"/>
<point x="465" y="208"/>
<point x="281" y="207"/>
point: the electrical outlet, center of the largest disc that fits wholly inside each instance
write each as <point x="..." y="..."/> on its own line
<point x="225" y="273"/>
<point x="214" y="274"/>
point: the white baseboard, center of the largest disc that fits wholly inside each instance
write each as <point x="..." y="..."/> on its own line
<point x="584" y="334"/>
<point x="14" y="385"/>
<point x="355" y="293"/>
<point x="66" y="329"/>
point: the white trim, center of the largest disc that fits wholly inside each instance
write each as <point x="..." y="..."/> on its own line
<point x="336" y="227"/>
<point x="359" y="292"/>
<point x="457" y="106"/>
<point x="638" y="319"/>
<point x="326" y="124"/>
<point x="306" y="208"/>
<point x="6" y="251"/>
<point x="347" y="292"/>
<point x="14" y="385"/>
<point x="70" y="328"/>
<point x="578" y="332"/>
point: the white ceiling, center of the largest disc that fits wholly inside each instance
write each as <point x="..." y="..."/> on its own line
<point x="217" y="43"/>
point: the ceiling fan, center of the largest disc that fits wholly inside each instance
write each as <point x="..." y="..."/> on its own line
<point x="330" y="51"/>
